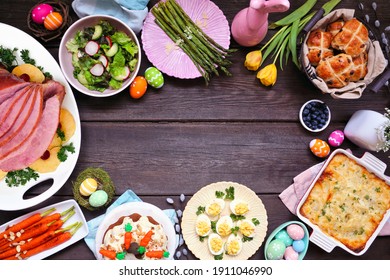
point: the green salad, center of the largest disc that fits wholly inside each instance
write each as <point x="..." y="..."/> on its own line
<point x="102" y="56"/>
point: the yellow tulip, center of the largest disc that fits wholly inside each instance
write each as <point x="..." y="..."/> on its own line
<point x="253" y="60"/>
<point x="268" y="75"/>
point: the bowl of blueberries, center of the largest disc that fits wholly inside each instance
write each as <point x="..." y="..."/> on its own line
<point x="314" y="115"/>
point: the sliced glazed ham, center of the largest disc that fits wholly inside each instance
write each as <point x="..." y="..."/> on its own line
<point x="29" y="118"/>
<point x="14" y="112"/>
<point x="37" y="143"/>
<point x="28" y="126"/>
<point x="9" y="84"/>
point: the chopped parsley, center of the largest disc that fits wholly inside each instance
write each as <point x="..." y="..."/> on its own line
<point x="218" y="257"/>
<point x="246" y="238"/>
<point x="255" y="221"/>
<point x="200" y="210"/>
<point x="235" y="230"/>
<point x="219" y="194"/>
<point x="214" y="226"/>
<point x="20" y="177"/>
<point x="61" y="134"/>
<point x="236" y="217"/>
<point x="228" y="194"/>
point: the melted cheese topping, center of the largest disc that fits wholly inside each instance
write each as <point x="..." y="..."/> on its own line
<point x="114" y="238"/>
<point x="347" y="202"/>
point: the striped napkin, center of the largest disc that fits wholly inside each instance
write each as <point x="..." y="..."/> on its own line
<point x="294" y="193"/>
<point x="131" y="12"/>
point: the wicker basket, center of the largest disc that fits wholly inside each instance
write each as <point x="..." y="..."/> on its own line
<point x="47" y="35"/>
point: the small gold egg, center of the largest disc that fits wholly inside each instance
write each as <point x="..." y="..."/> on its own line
<point x="88" y="186"/>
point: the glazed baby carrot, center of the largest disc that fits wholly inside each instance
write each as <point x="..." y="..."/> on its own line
<point x="34" y="242"/>
<point x="145" y="240"/>
<point x="157" y="254"/>
<point x="53" y="242"/>
<point x="108" y="253"/>
<point x="25" y="223"/>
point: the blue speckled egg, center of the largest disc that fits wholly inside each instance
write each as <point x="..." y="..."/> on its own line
<point x="154" y="77"/>
<point x="284" y="237"/>
<point x="298" y="246"/>
<point x="98" y="198"/>
<point x="275" y="250"/>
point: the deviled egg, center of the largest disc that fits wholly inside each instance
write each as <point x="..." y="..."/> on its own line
<point x="215" y="207"/>
<point x="239" y="207"/>
<point x="246" y="227"/>
<point x="224" y="226"/>
<point x="233" y="245"/>
<point x="203" y="225"/>
<point x="215" y="244"/>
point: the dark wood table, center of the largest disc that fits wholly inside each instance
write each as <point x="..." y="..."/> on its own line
<point x="186" y="135"/>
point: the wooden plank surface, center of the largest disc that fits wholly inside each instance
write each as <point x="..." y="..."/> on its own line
<point x="186" y="135"/>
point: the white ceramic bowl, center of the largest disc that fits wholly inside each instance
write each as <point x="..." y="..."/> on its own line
<point x="301" y="116"/>
<point x="65" y="57"/>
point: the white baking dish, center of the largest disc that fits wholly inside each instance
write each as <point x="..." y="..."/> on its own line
<point x="326" y="242"/>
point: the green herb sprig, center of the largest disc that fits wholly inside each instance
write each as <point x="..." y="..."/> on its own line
<point x="63" y="152"/>
<point x="20" y="177"/>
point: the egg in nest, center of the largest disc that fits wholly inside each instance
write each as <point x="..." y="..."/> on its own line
<point x="233" y="245"/>
<point x="246" y="227"/>
<point x="215" y="207"/>
<point x="224" y="226"/>
<point x="239" y="207"/>
<point x="215" y="244"/>
<point x="203" y="225"/>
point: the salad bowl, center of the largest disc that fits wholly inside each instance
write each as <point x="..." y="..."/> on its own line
<point x="91" y="59"/>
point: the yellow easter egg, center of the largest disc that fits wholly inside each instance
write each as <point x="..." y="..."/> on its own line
<point x="53" y="21"/>
<point x="319" y="148"/>
<point x="88" y="186"/>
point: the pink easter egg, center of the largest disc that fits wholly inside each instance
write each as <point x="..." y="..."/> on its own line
<point x="295" y="231"/>
<point x="39" y="13"/>
<point x="336" y="138"/>
<point x="290" y="254"/>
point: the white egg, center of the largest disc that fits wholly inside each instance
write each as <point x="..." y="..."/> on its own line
<point x="224" y="226"/>
<point x="233" y="245"/>
<point x="215" y="207"/>
<point x="247" y="227"/>
<point x="239" y="207"/>
<point x="203" y="225"/>
<point x="215" y="244"/>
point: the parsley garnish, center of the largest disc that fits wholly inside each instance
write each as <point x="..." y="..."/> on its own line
<point x="235" y="229"/>
<point x="8" y="57"/>
<point x="229" y="193"/>
<point x="20" y="177"/>
<point x="255" y="221"/>
<point x="25" y="55"/>
<point x="214" y="226"/>
<point x="62" y="153"/>
<point x="246" y="238"/>
<point x="202" y="238"/>
<point x="219" y="194"/>
<point x="236" y="218"/>
<point x="218" y="257"/>
<point x="61" y="134"/>
<point x="200" y="210"/>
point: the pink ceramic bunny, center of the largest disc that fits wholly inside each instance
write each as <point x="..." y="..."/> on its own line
<point x="250" y="25"/>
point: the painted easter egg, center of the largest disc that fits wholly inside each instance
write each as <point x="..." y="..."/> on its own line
<point x="290" y="254"/>
<point x="98" y="198"/>
<point x="138" y="87"/>
<point x="284" y="237"/>
<point x="39" y="13"/>
<point x="298" y="245"/>
<point x="336" y="138"/>
<point x="88" y="186"/>
<point x="154" y="77"/>
<point x="295" y="231"/>
<point x="53" y="21"/>
<point x="275" y="250"/>
<point x="319" y="148"/>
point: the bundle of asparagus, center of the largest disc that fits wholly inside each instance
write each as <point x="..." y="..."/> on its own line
<point x="205" y="53"/>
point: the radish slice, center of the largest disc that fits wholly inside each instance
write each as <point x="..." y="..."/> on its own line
<point x="97" y="70"/>
<point x="103" y="59"/>
<point x="109" y="41"/>
<point x="91" y="48"/>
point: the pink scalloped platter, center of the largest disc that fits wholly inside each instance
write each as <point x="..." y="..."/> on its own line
<point x="169" y="58"/>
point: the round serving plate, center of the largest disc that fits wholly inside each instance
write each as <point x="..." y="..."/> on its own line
<point x="169" y="58"/>
<point x="204" y="196"/>
<point x="12" y="198"/>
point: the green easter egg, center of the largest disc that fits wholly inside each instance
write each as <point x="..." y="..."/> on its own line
<point x="284" y="237"/>
<point x="154" y="77"/>
<point x="98" y="198"/>
<point x="275" y="250"/>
